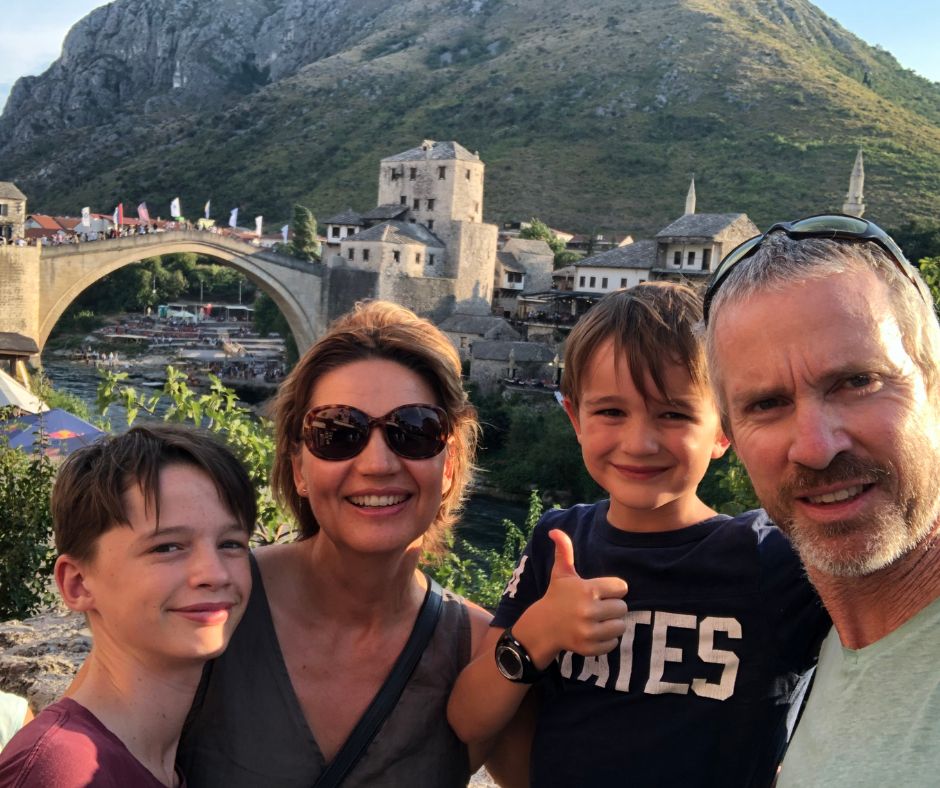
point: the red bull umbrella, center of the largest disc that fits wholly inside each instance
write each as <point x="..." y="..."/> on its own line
<point x="62" y="432"/>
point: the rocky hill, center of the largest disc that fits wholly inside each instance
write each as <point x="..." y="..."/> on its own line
<point x="589" y="113"/>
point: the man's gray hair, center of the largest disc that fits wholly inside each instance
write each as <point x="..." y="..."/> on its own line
<point x="780" y="261"/>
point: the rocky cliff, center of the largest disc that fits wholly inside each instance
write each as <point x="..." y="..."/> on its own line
<point x="589" y="113"/>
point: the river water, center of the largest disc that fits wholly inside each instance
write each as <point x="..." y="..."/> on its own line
<point x="482" y="520"/>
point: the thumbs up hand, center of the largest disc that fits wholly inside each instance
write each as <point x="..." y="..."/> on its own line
<point x="585" y="616"/>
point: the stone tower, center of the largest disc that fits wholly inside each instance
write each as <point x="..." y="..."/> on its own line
<point x="441" y="183"/>
<point x="854" y="204"/>
<point x="690" y="198"/>
<point x="12" y="212"/>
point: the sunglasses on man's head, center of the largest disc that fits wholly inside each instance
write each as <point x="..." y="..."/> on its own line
<point x="340" y="432"/>
<point x="835" y="226"/>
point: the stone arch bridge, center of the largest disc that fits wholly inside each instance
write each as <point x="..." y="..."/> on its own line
<point x="37" y="284"/>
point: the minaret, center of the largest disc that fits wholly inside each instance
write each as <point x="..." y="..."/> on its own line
<point x="854" y="204"/>
<point x="690" y="198"/>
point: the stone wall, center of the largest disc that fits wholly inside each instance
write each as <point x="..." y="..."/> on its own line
<point x="19" y="293"/>
<point x="473" y="249"/>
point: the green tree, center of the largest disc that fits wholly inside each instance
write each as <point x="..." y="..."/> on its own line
<point x="930" y="271"/>
<point x="304" y="245"/>
<point x="26" y="552"/>
<point x="539" y="231"/>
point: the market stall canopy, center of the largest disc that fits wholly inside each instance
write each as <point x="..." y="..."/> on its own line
<point x="14" y="393"/>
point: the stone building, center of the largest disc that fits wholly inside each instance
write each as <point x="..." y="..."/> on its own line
<point x="12" y="212"/>
<point x="464" y="330"/>
<point x="425" y="243"/>
<point x="492" y="361"/>
<point x="694" y="244"/>
<point x="616" y="269"/>
<point x="523" y="266"/>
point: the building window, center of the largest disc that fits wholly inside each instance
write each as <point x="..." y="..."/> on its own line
<point x="691" y="259"/>
<point x="403" y="200"/>
<point x="430" y="224"/>
<point x="365" y="254"/>
<point x="642" y="281"/>
<point x="416" y="204"/>
<point x="440" y="173"/>
<point x="581" y="282"/>
<point x="515" y="278"/>
<point x="418" y="258"/>
<point x="351" y="253"/>
<point x="431" y="205"/>
<point x="677" y="259"/>
<point x="604" y="282"/>
<point x="463" y="341"/>
<point x="334" y="231"/>
<point x="593" y="282"/>
<point x="393" y="174"/>
<point x="623" y="282"/>
<point x="706" y="259"/>
<point x="468" y="174"/>
<point x="396" y="256"/>
<point x="430" y="259"/>
<point x="412" y="173"/>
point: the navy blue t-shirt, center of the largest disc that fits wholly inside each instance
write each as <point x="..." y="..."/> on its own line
<point x="721" y="625"/>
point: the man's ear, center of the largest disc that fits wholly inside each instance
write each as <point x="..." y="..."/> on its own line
<point x="721" y="445"/>
<point x="572" y="410"/>
<point x="71" y="579"/>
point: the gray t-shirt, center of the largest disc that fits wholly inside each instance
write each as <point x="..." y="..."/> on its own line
<point x="873" y="716"/>
<point x="247" y="729"/>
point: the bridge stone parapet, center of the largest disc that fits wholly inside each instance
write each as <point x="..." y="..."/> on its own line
<point x="41" y="285"/>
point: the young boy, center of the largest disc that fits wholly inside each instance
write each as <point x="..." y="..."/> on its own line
<point x="668" y="640"/>
<point x="152" y="533"/>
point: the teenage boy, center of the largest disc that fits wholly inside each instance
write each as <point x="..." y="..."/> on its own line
<point x="692" y="682"/>
<point x="152" y="531"/>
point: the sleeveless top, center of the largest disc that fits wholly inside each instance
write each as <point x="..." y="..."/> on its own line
<point x="247" y="729"/>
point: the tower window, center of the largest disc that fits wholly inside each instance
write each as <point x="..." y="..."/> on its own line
<point x="468" y="175"/>
<point x="413" y="173"/>
<point x="403" y="200"/>
<point x="396" y="256"/>
<point x="431" y="204"/>
<point x="416" y="204"/>
<point x="430" y="259"/>
<point x="351" y="253"/>
<point x="441" y="173"/>
<point x="430" y="224"/>
<point x="418" y="257"/>
<point x="365" y="254"/>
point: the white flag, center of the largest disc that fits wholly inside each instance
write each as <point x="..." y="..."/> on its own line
<point x="284" y="231"/>
<point x="86" y="217"/>
<point x="258" y="226"/>
<point x="207" y="208"/>
<point x="233" y="218"/>
<point x="175" y="211"/>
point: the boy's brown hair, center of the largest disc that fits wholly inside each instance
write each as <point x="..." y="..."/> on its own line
<point x="88" y="497"/>
<point x="652" y="325"/>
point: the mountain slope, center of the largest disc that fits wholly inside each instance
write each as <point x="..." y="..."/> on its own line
<point x="589" y="114"/>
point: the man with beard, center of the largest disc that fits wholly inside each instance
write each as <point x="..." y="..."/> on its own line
<point x="822" y="345"/>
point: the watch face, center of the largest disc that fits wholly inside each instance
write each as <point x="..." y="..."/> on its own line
<point x="509" y="663"/>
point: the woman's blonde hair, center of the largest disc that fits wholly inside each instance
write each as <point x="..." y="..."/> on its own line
<point x="379" y="330"/>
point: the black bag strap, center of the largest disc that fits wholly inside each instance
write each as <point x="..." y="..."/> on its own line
<point x="386" y="698"/>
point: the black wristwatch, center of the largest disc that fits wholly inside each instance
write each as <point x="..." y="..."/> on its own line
<point x="514" y="661"/>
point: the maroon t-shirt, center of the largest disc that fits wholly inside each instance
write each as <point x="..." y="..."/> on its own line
<point x="67" y="747"/>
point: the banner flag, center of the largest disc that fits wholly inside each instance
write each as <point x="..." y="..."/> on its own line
<point x="207" y="208"/>
<point x="284" y="231"/>
<point x="118" y="215"/>
<point x="142" y="213"/>
<point x="175" y="211"/>
<point x="86" y="216"/>
<point x="258" y="226"/>
<point x="233" y="218"/>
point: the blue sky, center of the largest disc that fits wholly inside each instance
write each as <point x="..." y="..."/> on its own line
<point x="32" y="33"/>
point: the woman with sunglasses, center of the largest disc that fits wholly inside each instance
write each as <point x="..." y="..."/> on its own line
<point x="375" y="445"/>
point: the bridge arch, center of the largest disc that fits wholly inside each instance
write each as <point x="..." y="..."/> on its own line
<point x="295" y="287"/>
